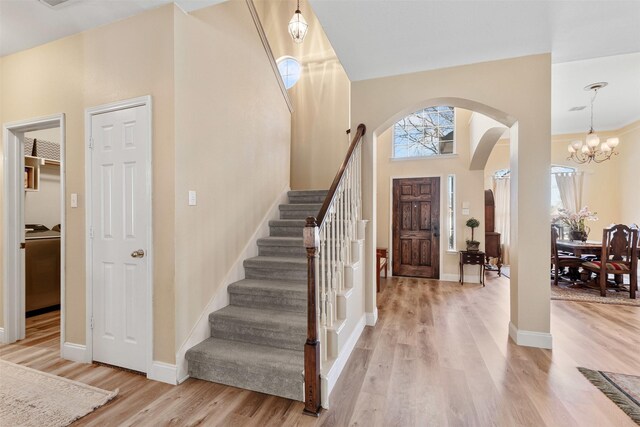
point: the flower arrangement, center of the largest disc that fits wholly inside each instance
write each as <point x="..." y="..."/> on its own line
<point x="575" y="221"/>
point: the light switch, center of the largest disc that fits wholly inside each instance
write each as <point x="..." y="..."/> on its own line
<point x="192" y="198"/>
<point x="465" y="211"/>
<point x="74" y="200"/>
<point x="465" y="205"/>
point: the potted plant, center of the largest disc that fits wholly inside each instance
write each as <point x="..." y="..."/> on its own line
<point x="473" y="244"/>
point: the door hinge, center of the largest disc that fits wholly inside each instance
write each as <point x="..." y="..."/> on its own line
<point x="91" y="142"/>
<point x="91" y="322"/>
<point x="91" y="232"/>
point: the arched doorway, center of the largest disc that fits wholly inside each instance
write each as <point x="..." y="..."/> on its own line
<point x="515" y="93"/>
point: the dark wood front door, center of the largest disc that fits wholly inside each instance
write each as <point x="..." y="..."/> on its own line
<point x="416" y="227"/>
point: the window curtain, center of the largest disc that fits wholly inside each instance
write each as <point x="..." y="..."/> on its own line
<point x="570" y="188"/>
<point x="502" y="194"/>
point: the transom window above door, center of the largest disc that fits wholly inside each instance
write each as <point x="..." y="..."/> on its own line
<point x="425" y="133"/>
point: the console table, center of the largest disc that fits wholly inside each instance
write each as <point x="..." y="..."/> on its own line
<point x="472" y="258"/>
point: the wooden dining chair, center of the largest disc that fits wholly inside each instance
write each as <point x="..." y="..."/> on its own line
<point x="560" y="261"/>
<point x="619" y="255"/>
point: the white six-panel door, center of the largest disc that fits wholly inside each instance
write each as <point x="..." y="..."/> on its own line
<point x="120" y="208"/>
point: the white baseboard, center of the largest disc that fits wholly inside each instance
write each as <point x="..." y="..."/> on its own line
<point x="330" y="379"/>
<point x="201" y="330"/>
<point x="372" y="318"/>
<point x="163" y="372"/>
<point x="468" y="278"/>
<point x="183" y="379"/>
<point x="75" y="352"/>
<point x="530" y="338"/>
<point x="2" y="335"/>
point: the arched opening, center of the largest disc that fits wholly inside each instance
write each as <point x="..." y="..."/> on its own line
<point x="458" y="183"/>
<point x="508" y="92"/>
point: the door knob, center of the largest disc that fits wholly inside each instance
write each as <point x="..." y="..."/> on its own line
<point x="137" y="254"/>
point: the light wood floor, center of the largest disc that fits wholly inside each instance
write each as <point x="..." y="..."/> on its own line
<point x="439" y="356"/>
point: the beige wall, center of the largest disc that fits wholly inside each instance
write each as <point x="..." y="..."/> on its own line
<point x="220" y="127"/>
<point x="629" y="161"/>
<point x="515" y="92"/>
<point x="232" y="147"/>
<point x="320" y="98"/>
<point x="468" y="186"/>
<point x="599" y="178"/>
<point x="129" y="58"/>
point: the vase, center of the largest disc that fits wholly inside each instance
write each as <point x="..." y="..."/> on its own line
<point x="578" y="235"/>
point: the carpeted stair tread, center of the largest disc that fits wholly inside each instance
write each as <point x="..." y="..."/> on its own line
<point x="301" y="207"/>
<point x="280" y="241"/>
<point x="287" y="223"/>
<point x="276" y="262"/>
<point x="293" y="288"/>
<point x="265" y="318"/>
<point x="274" y="328"/>
<point x="299" y="210"/>
<point x="251" y="366"/>
<point x="285" y="246"/>
<point x="280" y="295"/>
<point x="307" y="196"/>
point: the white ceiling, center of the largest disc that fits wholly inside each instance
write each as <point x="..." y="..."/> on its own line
<point x="29" y="23"/>
<point x="375" y="38"/>
<point x="616" y="105"/>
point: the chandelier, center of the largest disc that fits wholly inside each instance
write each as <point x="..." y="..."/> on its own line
<point x="592" y="150"/>
<point x="298" y="26"/>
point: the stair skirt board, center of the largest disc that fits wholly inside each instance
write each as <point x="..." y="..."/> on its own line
<point x="257" y="341"/>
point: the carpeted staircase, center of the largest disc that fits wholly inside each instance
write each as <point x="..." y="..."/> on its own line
<point x="257" y="341"/>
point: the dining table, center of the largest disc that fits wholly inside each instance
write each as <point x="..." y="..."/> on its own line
<point x="580" y="248"/>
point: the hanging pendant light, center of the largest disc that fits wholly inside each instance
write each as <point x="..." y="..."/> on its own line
<point x="591" y="150"/>
<point x="298" y="26"/>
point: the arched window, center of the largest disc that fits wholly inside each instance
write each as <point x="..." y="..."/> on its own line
<point x="290" y="70"/>
<point x="425" y="133"/>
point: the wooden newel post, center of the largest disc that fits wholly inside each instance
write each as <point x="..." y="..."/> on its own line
<point x="311" y="347"/>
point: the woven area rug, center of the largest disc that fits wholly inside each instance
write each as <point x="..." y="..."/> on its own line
<point x="623" y="390"/>
<point x="565" y="292"/>
<point x="33" y="398"/>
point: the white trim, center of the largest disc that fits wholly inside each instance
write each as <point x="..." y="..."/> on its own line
<point x="269" y="52"/>
<point x="372" y="318"/>
<point x="13" y="223"/>
<point x="530" y="338"/>
<point x="74" y="352"/>
<point x="330" y="379"/>
<point x="443" y="194"/>
<point x="143" y="101"/>
<point x="201" y="330"/>
<point x="452" y="189"/>
<point x="434" y="157"/>
<point x="163" y="372"/>
<point x="183" y="378"/>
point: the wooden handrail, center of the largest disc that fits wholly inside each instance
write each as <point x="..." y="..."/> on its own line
<point x="336" y="181"/>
